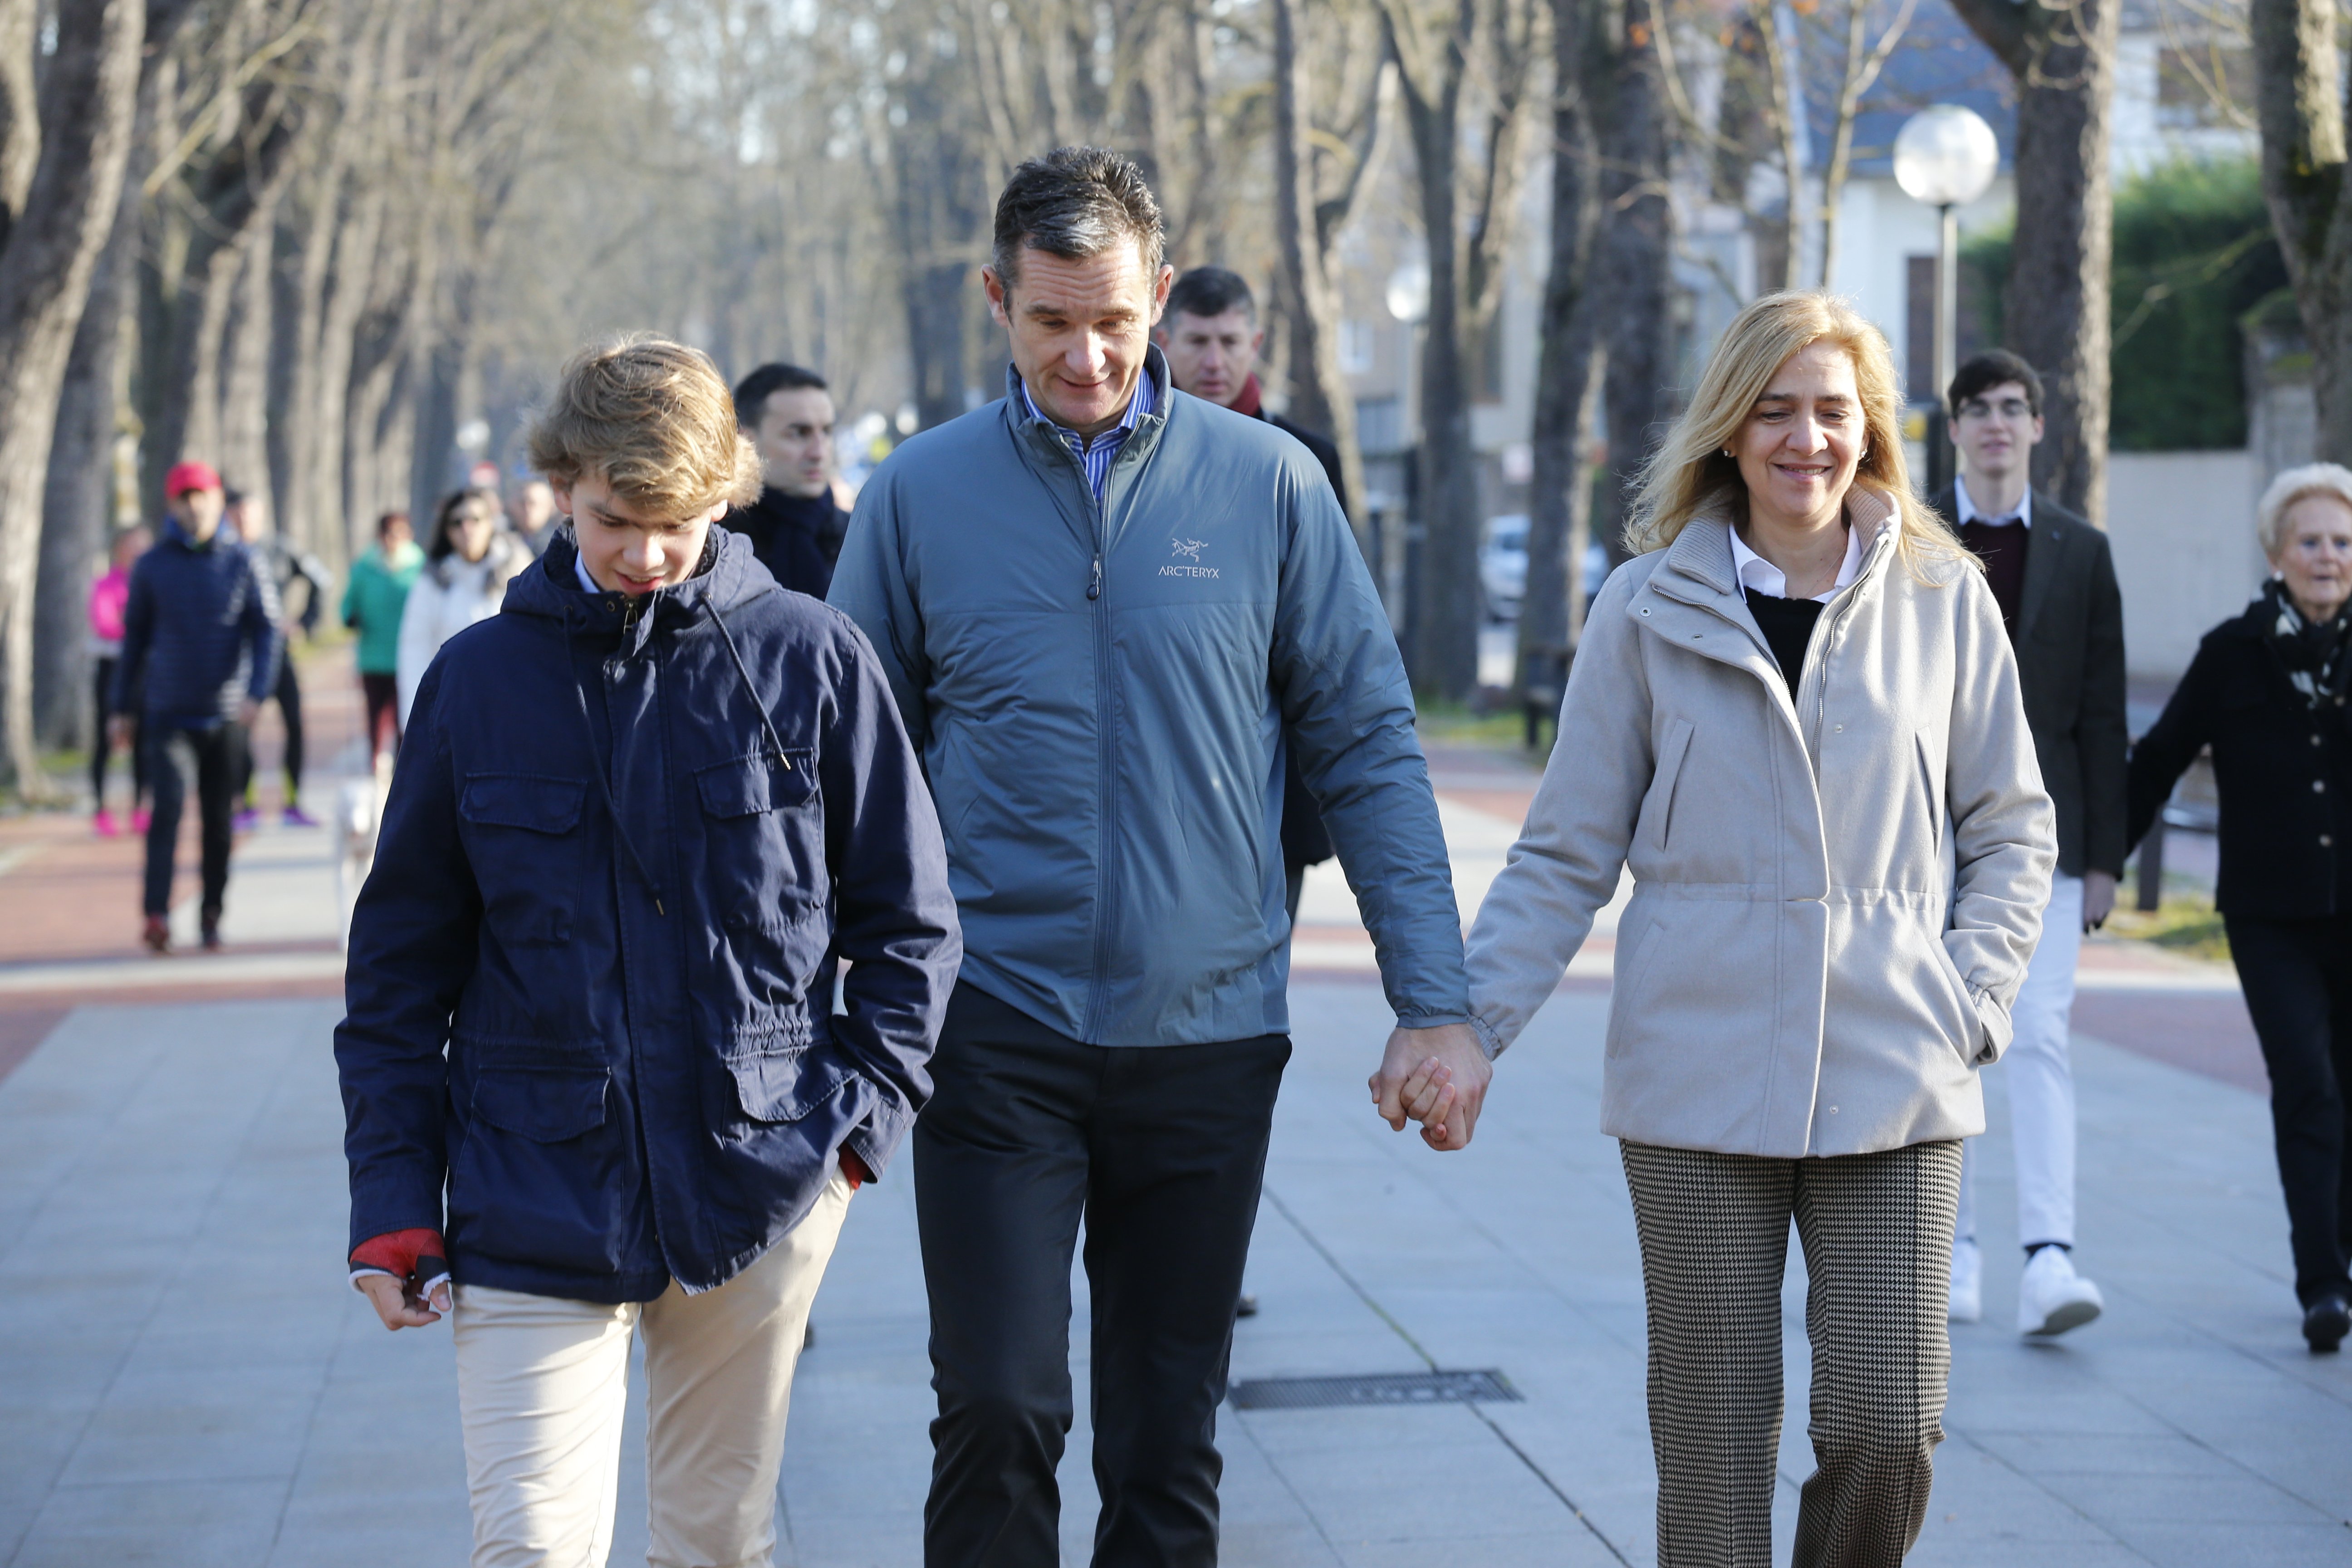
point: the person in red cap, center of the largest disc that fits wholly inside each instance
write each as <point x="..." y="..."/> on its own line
<point x="200" y="644"/>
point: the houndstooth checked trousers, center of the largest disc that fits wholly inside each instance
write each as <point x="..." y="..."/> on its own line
<point x="1877" y="1234"/>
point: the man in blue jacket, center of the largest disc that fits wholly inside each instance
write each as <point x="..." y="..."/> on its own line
<point x="1102" y="605"/>
<point x="201" y="632"/>
<point x="594" y="1070"/>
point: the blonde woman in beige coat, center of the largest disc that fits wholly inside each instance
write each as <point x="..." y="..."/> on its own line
<point x="1795" y="717"/>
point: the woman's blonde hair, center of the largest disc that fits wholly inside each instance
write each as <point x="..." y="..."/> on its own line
<point x="653" y="417"/>
<point x="2328" y="480"/>
<point x="1690" y="477"/>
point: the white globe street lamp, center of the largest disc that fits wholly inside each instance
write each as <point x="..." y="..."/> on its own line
<point x="1408" y="293"/>
<point x="1946" y="157"/>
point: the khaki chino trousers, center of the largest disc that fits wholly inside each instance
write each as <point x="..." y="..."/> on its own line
<point x="543" y="1383"/>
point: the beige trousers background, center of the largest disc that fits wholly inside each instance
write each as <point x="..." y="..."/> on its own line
<point x="543" y="1383"/>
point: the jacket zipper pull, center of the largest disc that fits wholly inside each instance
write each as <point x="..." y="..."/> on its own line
<point x="1094" y="588"/>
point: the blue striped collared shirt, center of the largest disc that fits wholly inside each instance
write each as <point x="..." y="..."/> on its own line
<point x="1096" y="456"/>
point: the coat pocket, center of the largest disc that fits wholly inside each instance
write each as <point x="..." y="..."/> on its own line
<point x="1658" y="806"/>
<point x="779" y="1088"/>
<point x="765" y="872"/>
<point x="522" y="834"/>
<point x="747" y="786"/>
<point x="540" y="1179"/>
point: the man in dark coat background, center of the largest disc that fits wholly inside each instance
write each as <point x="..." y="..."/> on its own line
<point x="1211" y="339"/>
<point x="796" y="525"/>
<point x="200" y="648"/>
<point x="2054" y="579"/>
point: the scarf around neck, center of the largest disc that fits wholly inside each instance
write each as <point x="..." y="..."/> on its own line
<point x="2316" y="656"/>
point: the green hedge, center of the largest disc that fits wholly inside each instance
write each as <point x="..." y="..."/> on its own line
<point x="2193" y="252"/>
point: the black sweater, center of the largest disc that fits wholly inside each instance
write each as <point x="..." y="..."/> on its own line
<point x="2284" y="770"/>
<point x="1788" y="629"/>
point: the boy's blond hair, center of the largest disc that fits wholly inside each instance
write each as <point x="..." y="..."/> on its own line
<point x="654" y="418"/>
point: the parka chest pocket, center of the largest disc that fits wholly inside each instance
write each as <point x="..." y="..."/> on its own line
<point x="522" y="833"/>
<point x="764" y="826"/>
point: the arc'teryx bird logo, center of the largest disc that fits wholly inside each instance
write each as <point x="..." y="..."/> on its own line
<point x="1187" y="550"/>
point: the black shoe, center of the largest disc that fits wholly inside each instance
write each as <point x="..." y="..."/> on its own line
<point x="210" y="931"/>
<point x="1245" y="1308"/>
<point x="2326" y="1324"/>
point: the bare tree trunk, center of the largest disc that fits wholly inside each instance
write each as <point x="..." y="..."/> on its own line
<point x="1320" y="395"/>
<point x="2064" y="63"/>
<point x="244" y="424"/>
<point x="2306" y="173"/>
<point x="77" y="502"/>
<point x="1443" y="652"/>
<point x="234" y="197"/>
<point x="1551" y="610"/>
<point x="1785" y="114"/>
<point x="1634" y="260"/>
<point x="51" y="249"/>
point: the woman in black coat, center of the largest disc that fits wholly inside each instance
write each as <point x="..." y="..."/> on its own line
<point x="2267" y="691"/>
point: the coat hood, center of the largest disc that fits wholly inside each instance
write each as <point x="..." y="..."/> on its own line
<point x="728" y="577"/>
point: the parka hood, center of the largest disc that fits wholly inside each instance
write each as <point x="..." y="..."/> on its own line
<point x="728" y="577"/>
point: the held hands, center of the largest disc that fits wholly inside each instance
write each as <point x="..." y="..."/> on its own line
<point x="1435" y="1077"/>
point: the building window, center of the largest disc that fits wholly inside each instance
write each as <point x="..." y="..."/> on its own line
<point x="1380" y="425"/>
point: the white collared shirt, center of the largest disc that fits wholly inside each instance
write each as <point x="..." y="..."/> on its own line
<point x="1753" y="571"/>
<point x="1968" y="512"/>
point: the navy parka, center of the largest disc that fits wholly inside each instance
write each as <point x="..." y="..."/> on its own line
<point x="618" y="1050"/>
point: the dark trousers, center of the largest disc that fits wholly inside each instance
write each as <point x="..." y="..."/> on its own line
<point x="2297" y="976"/>
<point x="288" y="694"/>
<point x="1161" y="1150"/>
<point x="383" y="694"/>
<point x="1878" y="1234"/>
<point x="101" y="745"/>
<point x="210" y="760"/>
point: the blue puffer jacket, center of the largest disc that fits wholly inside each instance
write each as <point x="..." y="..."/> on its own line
<point x="619" y="1050"/>
<point x="202" y="627"/>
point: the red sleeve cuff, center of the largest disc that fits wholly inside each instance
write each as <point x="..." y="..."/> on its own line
<point x="853" y="1168"/>
<point x="397" y="1252"/>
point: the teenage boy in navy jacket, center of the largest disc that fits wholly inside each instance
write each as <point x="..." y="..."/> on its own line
<point x="595" y="1077"/>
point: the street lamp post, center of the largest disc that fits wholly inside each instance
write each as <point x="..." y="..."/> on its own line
<point x="1945" y="157"/>
<point x="1408" y="303"/>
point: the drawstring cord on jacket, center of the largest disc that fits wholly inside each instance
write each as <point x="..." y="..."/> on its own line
<point x="775" y="742"/>
<point x="603" y="784"/>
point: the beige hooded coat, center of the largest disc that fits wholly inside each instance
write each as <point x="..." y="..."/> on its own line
<point x="1801" y="971"/>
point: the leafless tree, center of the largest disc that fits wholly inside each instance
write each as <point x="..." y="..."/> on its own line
<point x="1320" y="168"/>
<point x="2063" y="58"/>
<point x="2301" y="108"/>
<point x="1461" y="57"/>
<point x="1560" y="508"/>
<point x="58" y="207"/>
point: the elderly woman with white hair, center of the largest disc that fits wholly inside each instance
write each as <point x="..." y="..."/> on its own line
<point x="2267" y="691"/>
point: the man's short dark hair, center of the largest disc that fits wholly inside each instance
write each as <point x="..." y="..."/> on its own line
<point x="1076" y="203"/>
<point x="1208" y="292"/>
<point x="1992" y="369"/>
<point x="751" y="393"/>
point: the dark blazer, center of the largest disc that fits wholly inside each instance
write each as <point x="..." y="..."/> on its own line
<point x="1304" y="840"/>
<point x="590" y="990"/>
<point x="2284" y="771"/>
<point x="2068" y="639"/>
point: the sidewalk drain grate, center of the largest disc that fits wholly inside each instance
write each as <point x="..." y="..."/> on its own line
<point x="1488" y="1387"/>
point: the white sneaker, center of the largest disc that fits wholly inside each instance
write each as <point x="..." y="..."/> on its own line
<point x="2052" y="1298"/>
<point x="1967" y="1281"/>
